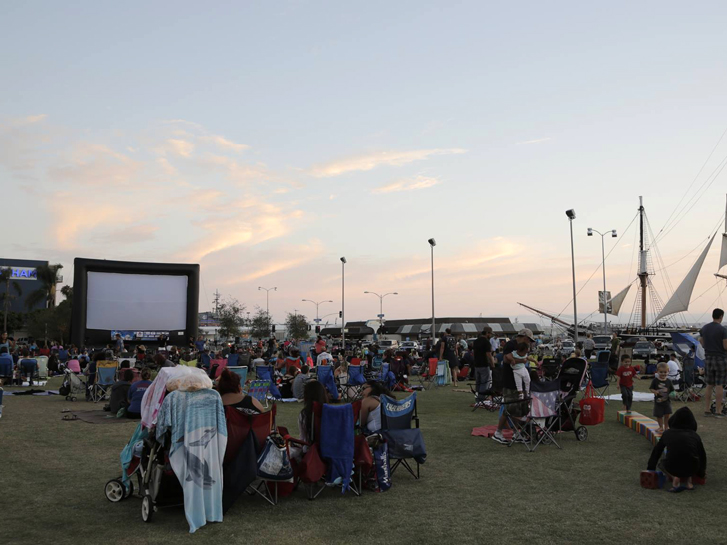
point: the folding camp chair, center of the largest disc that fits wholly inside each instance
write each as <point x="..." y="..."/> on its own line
<point x="105" y="377"/>
<point x="267" y="372"/>
<point x="325" y="377"/>
<point x="42" y="367"/>
<point x="259" y="389"/>
<point x="232" y="360"/>
<point x="490" y="399"/>
<point x="443" y="376"/>
<point x="538" y="426"/>
<point x="190" y="363"/>
<point x="599" y="378"/>
<point x="205" y="359"/>
<point x="550" y="368"/>
<point x="356" y="381"/>
<point x="427" y="376"/>
<point x="216" y="367"/>
<point x="405" y="442"/>
<point x="311" y="471"/>
<point x="239" y="370"/>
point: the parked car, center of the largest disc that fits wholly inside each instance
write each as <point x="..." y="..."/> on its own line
<point x="603" y="342"/>
<point x="568" y="347"/>
<point x="642" y="349"/>
<point x="409" y="345"/>
<point x="388" y="343"/>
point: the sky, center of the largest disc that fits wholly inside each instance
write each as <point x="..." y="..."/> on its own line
<point x="265" y="140"/>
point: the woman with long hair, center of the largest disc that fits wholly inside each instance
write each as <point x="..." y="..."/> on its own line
<point x="371" y="406"/>
<point x="230" y="390"/>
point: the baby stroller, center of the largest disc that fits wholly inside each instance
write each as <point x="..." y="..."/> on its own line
<point x="72" y="385"/>
<point x="571" y="377"/>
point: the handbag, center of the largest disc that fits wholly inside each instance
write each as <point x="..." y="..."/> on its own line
<point x="592" y="408"/>
<point x="274" y="462"/>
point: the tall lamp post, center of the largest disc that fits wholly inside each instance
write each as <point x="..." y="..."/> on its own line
<point x="381" y="303"/>
<point x="267" y="303"/>
<point x="317" y="320"/>
<point x="603" y="263"/>
<point x="571" y="216"/>
<point x="343" y="303"/>
<point x="432" y="244"/>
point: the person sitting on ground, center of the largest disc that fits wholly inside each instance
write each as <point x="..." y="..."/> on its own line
<point x="371" y="406"/>
<point x="518" y="361"/>
<point x="685" y="455"/>
<point x="300" y="381"/>
<point x="120" y="392"/>
<point x="136" y="392"/>
<point x="230" y="389"/>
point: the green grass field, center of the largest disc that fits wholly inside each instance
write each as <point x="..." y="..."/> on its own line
<point x="472" y="490"/>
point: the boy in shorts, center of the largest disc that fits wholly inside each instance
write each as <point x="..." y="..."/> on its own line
<point x="661" y="387"/>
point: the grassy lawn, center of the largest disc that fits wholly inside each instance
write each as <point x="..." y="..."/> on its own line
<point x="472" y="490"/>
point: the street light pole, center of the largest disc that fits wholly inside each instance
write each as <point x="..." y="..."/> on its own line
<point x="432" y="244"/>
<point x="317" y="320"/>
<point x="571" y="216"/>
<point x="381" y="303"/>
<point x="343" y="304"/>
<point x="267" y="303"/>
<point x="603" y="263"/>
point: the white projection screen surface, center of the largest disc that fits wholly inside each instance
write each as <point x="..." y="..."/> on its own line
<point x="136" y="302"/>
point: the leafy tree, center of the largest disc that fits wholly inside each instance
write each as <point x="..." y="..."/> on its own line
<point x="297" y="326"/>
<point x="229" y="314"/>
<point x="6" y="297"/>
<point x="52" y="323"/>
<point x="260" y="324"/>
<point x="15" y="321"/>
<point x="47" y="276"/>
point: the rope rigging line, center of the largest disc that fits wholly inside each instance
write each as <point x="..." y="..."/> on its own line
<point x="693" y="181"/>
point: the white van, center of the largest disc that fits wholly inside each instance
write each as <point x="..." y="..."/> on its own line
<point x="386" y="344"/>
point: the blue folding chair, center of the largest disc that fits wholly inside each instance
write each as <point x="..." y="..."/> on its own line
<point x="599" y="378"/>
<point x="400" y="425"/>
<point x="325" y="377"/>
<point x="206" y="360"/>
<point x="239" y="370"/>
<point x="105" y="376"/>
<point x="259" y="390"/>
<point x="232" y="360"/>
<point x="266" y="372"/>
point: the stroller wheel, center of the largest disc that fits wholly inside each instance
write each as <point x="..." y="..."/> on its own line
<point x="147" y="509"/>
<point x="581" y="433"/>
<point x="114" y="490"/>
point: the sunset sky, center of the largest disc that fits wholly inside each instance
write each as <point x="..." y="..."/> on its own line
<point x="264" y="140"/>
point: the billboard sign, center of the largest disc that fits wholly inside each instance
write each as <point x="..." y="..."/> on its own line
<point x="22" y="273"/>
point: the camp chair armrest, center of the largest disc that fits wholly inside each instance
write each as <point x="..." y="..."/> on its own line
<point x="516" y="401"/>
<point x="296" y="441"/>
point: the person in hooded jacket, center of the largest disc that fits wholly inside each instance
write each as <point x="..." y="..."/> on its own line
<point x="685" y="455"/>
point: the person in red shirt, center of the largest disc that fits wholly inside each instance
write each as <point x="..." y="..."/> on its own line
<point x="625" y="375"/>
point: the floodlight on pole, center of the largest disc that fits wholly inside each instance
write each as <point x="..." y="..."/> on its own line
<point x="613" y="234"/>
<point x="432" y="244"/>
<point x="343" y="304"/>
<point x="571" y="216"/>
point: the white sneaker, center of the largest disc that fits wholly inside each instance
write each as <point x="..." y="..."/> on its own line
<point x="499" y="438"/>
<point x="518" y="438"/>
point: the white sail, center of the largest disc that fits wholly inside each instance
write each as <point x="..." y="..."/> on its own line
<point x="679" y="302"/>
<point x="617" y="300"/>
<point x="723" y="254"/>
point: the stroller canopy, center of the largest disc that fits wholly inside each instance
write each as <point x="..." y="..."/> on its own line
<point x="688" y="347"/>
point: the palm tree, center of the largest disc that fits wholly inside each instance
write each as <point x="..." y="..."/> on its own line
<point x="5" y="275"/>
<point x="47" y="277"/>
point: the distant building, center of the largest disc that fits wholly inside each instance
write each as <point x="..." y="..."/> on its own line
<point x="24" y="272"/>
<point x="418" y="328"/>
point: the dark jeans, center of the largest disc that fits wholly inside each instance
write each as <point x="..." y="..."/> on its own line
<point x="627" y="395"/>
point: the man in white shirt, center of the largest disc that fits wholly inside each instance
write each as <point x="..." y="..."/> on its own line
<point x="495" y="344"/>
<point x="324" y="358"/>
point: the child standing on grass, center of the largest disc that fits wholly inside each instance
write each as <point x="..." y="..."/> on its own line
<point x="518" y="361"/>
<point x="661" y="387"/>
<point x="625" y="377"/>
